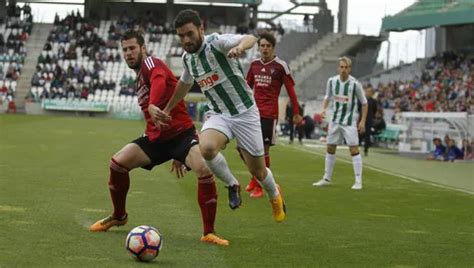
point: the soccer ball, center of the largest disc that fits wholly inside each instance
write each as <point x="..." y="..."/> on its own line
<point x="144" y="243"/>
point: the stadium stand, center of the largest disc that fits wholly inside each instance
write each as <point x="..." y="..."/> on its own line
<point x="81" y="60"/>
<point x="14" y="35"/>
<point x="445" y="85"/>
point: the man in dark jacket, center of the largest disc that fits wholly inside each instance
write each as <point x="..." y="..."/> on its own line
<point x="371" y="110"/>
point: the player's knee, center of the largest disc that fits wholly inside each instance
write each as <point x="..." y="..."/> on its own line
<point x="331" y="150"/>
<point x="355" y="153"/>
<point x="202" y="170"/>
<point x="208" y="150"/>
<point x="116" y="166"/>
<point x="354" y="150"/>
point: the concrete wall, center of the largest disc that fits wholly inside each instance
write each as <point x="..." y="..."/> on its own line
<point x="459" y="38"/>
<point x="451" y="38"/>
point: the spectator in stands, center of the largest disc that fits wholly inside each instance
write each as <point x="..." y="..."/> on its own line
<point x="467" y="149"/>
<point x="446" y="140"/>
<point x="2" y="43"/>
<point x="11" y="105"/>
<point x="446" y="85"/>
<point x="454" y="153"/>
<point x="12" y="74"/>
<point x="439" y="152"/>
<point x="2" y="75"/>
<point x="84" y="92"/>
<point x="397" y="116"/>
<point x="26" y="9"/>
<point x="306" y="21"/>
<point x="3" y="91"/>
<point x="47" y="46"/>
<point x="35" y="80"/>
<point x="44" y="94"/>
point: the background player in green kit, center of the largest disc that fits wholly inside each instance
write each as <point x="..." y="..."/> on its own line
<point x="343" y="91"/>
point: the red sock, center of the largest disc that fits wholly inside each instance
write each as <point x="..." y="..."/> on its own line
<point x="267" y="160"/>
<point x="207" y="199"/>
<point x="119" y="182"/>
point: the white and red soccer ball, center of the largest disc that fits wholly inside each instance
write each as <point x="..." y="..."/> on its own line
<point x="144" y="243"/>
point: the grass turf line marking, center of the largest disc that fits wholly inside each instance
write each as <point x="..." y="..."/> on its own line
<point x="385" y="171"/>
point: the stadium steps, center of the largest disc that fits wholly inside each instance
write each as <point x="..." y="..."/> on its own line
<point x="308" y="59"/>
<point x="293" y="43"/>
<point x="34" y="46"/>
<point x="313" y="73"/>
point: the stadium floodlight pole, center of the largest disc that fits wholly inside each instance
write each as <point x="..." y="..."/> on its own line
<point x="388" y="54"/>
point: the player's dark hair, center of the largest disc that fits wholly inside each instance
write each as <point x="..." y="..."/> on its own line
<point x="131" y="33"/>
<point x="267" y="36"/>
<point x="186" y="16"/>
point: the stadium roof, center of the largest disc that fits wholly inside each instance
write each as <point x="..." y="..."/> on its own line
<point x="429" y="13"/>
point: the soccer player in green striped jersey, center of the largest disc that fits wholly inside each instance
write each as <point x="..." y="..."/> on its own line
<point x="343" y="91"/>
<point x="212" y="61"/>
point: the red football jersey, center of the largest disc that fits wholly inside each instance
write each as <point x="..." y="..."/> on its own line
<point x="266" y="80"/>
<point x="156" y="84"/>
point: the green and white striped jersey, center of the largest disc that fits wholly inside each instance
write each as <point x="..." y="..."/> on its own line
<point x="345" y="96"/>
<point x="221" y="79"/>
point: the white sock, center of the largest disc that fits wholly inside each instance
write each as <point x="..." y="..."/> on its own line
<point x="219" y="167"/>
<point x="357" y="164"/>
<point x="329" y="165"/>
<point x="269" y="185"/>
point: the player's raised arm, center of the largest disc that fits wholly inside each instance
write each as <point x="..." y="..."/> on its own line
<point x="246" y="42"/>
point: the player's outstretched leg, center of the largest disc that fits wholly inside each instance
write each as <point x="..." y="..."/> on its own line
<point x="119" y="183"/>
<point x="207" y="199"/>
<point x="275" y="195"/>
<point x="218" y="166"/>
<point x="108" y="222"/>
<point x="257" y="192"/>
<point x="253" y="187"/>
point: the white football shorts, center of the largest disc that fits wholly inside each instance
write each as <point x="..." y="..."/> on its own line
<point x="244" y="127"/>
<point x="338" y="132"/>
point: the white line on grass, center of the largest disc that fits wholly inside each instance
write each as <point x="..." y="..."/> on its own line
<point x="384" y="171"/>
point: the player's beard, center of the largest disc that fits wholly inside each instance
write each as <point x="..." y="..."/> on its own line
<point x="137" y="64"/>
<point x="194" y="47"/>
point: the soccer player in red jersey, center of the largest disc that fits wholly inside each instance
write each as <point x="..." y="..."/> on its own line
<point x="266" y="75"/>
<point x="155" y="85"/>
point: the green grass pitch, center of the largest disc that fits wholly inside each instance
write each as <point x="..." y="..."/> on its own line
<point x="53" y="185"/>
